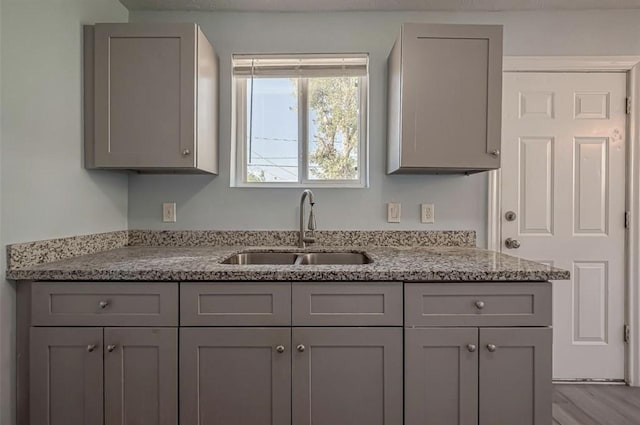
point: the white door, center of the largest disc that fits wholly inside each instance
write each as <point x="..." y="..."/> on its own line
<point x="563" y="175"/>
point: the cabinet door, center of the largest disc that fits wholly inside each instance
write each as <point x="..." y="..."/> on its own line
<point x="441" y="376"/>
<point x="141" y="376"/>
<point x="145" y="95"/>
<point x="452" y="96"/>
<point x="347" y="376"/>
<point x="235" y="376"/>
<point x="515" y="376"/>
<point x="66" y="376"/>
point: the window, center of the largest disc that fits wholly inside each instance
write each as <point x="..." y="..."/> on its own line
<point x="300" y="120"/>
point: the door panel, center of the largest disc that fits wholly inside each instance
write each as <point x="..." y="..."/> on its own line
<point x="515" y="378"/>
<point x="441" y="376"/>
<point x="563" y="174"/>
<point x="235" y="376"/>
<point x="141" y="376"/>
<point x="347" y="376"/>
<point x="66" y="376"/>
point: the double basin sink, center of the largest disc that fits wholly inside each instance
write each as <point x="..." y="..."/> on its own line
<point x="299" y="258"/>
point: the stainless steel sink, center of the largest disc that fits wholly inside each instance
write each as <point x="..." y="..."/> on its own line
<point x="302" y="258"/>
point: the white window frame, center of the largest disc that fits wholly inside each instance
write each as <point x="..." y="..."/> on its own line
<point x="239" y="148"/>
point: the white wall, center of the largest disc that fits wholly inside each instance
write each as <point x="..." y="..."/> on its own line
<point x="45" y="192"/>
<point x="208" y="202"/>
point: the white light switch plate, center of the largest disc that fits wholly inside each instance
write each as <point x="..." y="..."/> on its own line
<point x="427" y="213"/>
<point x="393" y="212"/>
<point x="169" y="212"/>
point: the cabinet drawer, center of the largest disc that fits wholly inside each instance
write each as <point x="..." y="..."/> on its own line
<point x="477" y="304"/>
<point x="235" y="304"/>
<point x="104" y="304"/>
<point x="347" y="304"/>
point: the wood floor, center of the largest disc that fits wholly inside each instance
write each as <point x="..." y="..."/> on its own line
<point x="596" y="405"/>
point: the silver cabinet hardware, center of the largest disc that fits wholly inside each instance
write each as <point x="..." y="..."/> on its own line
<point x="491" y="347"/>
<point x="91" y="348"/>
<point x="479" y="305"/>
<point x="495" y="152"/>
<point x="186" y="152"/>
<point x="510" y="216"/>
<point x="300" y="348"/>
<point x="512" y="243"/>
<point x="111" y="347"/>
<point x="280" y="348"/>
<point x="103" y="304"/>
<point x="471" y="348"/>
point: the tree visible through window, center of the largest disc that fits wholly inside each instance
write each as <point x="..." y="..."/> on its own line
<point x="301" y="129"/>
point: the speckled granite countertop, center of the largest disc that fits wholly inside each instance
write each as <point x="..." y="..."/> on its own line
<point x="436" y="263"/>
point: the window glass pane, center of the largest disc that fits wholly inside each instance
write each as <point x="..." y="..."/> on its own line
<point x="334" y="118"/>
<point x="272" y="130"/>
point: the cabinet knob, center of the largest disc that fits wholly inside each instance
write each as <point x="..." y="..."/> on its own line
<point x="479" y="305"/>
<point x="103" y="304"/>
<point x="91" y="348"/>
<point x="280" y="348"/>
<point x="495" y="152"/>
<point x="491" y="347"/>
<point x="512" y="243"/>
<point x="471" y="347"/>
<point x="300" y="348"/>
<point x="111" y="347"/>
<point x="186" y="152"/>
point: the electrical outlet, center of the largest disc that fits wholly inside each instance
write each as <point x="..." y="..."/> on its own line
<point x="427" y="214"/>
<point x="169" y="212"/>
<point x="393" y="212"/>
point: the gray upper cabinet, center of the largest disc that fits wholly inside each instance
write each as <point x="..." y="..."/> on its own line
<point x="445" y="95"/>
<point x="151" y="98"/>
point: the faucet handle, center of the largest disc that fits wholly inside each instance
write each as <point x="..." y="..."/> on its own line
<point x="312" y="220"/>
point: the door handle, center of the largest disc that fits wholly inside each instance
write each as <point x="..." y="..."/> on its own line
<point x="512" y="243"/>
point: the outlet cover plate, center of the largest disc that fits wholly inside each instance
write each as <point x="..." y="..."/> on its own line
<point x="427" y="214"/>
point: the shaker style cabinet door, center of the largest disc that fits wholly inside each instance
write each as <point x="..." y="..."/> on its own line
<point x="144" y="95"/>
<point x="66" y="386"/>
<point x="441" y="376"/>
<point x="347" y="376"/>
<point x="235" y="376"/>
<point x="515" y="376"/>
<point x="445" y="98"/>
<point x="141" y="376"/>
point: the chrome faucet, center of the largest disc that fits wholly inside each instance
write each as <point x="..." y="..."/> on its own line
<point x="311" y="225"/>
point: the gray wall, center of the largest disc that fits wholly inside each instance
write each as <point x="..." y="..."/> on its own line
<point x="45" y="192"/>
<point x="209" y="203"/>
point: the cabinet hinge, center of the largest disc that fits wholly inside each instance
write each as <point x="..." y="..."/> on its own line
<point x="627" y="333"/>
<point x="628" y="105"/>
<point x="627" y="219"/>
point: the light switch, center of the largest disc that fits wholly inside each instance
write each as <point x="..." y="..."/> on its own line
<point x="393" y="212"/>
<point x="169" y="212"/>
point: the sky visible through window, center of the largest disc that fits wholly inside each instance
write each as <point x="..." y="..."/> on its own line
<point x="272" y="132"/>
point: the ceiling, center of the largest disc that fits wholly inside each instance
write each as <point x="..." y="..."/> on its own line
<point x="343" y="5"/>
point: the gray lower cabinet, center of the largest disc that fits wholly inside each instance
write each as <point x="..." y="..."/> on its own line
<point x="347" y="376"/>
<point x="478" y="376"/>
<point x="66" y="379"/>
<point x="235" y="376"/>
<point x="115" y="376"/>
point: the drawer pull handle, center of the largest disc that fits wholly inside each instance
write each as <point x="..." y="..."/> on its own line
<point x="471" y="347"/>
<point x="280" y="348"/>
<point x="300" y="348"/>
<point x="111" y="347"/>
<point x="479" y="305"/>
<point x="91" y="348"/>
<point x="103" y="304"/>
<point x="491" y="347"/>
